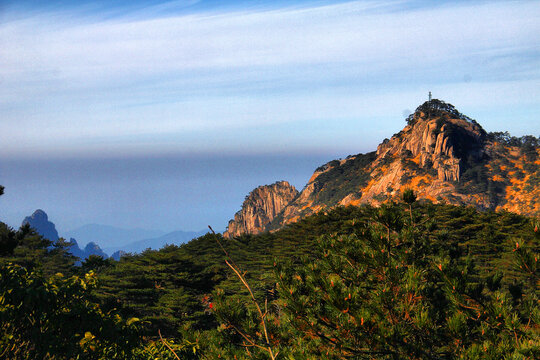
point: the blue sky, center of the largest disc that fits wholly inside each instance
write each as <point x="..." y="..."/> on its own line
<point x="127" y="78"/>
<point x="318" y="79"/>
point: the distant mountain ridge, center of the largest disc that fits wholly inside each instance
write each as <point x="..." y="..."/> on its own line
<point x="173" y="238"/>
<point x="90" y="249"/>
<point x="441" y="154"/>
<point x="39" y="221"/>
<point x="111" y="236"/>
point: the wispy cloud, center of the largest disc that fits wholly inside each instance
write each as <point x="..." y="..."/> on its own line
<point x="69" y="80"/>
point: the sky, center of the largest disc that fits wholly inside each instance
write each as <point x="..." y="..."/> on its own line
<point x="207" y="83"/>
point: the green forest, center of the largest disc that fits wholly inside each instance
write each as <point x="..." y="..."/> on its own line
<point x="406" y="280"/>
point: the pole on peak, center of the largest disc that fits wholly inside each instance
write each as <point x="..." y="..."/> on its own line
<point x="429" y="96"/>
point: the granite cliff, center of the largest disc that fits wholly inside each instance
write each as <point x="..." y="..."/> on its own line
<point x="443" y="155"/>
<point x="261" y="207"/>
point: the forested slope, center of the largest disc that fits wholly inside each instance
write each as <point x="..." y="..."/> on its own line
<point x="403" y="280"/>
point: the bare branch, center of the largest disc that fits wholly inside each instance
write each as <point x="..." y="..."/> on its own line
<point x="167" y="345"/>
<point x="238" y="273"/>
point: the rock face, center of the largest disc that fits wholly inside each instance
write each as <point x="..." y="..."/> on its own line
<point x="440" y="137"/>
<point x="39" y="221"/>
<point x="429" y="155"/>
<point x="443" y="155"/>
<point x="261" y="207"/>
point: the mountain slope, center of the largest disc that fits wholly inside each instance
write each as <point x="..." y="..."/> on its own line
<point x="443" y="155"/>
<point x="151" y="283"/>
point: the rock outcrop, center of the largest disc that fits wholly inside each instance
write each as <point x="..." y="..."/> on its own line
<point x="443" y="155"/>
<point x="442" y="143"/>
<point x="261" y="207"/>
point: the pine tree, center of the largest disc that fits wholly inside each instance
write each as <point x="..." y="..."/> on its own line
<point x="392" y="291"/>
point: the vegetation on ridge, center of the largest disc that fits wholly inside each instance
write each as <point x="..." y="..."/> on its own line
<point x="339" y="180"/>
<point x="396" y="286"/>
<point x="436" y="108"/>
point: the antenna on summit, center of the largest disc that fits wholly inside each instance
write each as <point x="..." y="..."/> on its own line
<point x="429" y="96"/>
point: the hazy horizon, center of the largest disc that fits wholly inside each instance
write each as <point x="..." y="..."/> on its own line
<point x="164" y="114"/>
<point x="166" y="193"/>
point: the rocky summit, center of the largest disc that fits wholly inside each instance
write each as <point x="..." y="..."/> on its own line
<point x="441" y="154"/>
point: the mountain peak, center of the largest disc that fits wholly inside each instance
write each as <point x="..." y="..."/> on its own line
<point x="441" y="154"/>
<point x="439" y="137"/>
<point x="39" y="215"/>
<point x="437" y="108"/>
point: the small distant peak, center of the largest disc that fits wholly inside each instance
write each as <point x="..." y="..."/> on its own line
<point x="118" y="254"/>
<point x="93" y="249"/>
<point x="91" y="246"/>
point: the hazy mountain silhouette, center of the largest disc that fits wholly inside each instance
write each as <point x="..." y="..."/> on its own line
<point x="172" y="238"/>
<point x="39" y="221"/>
<point x="110" y="236"/>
